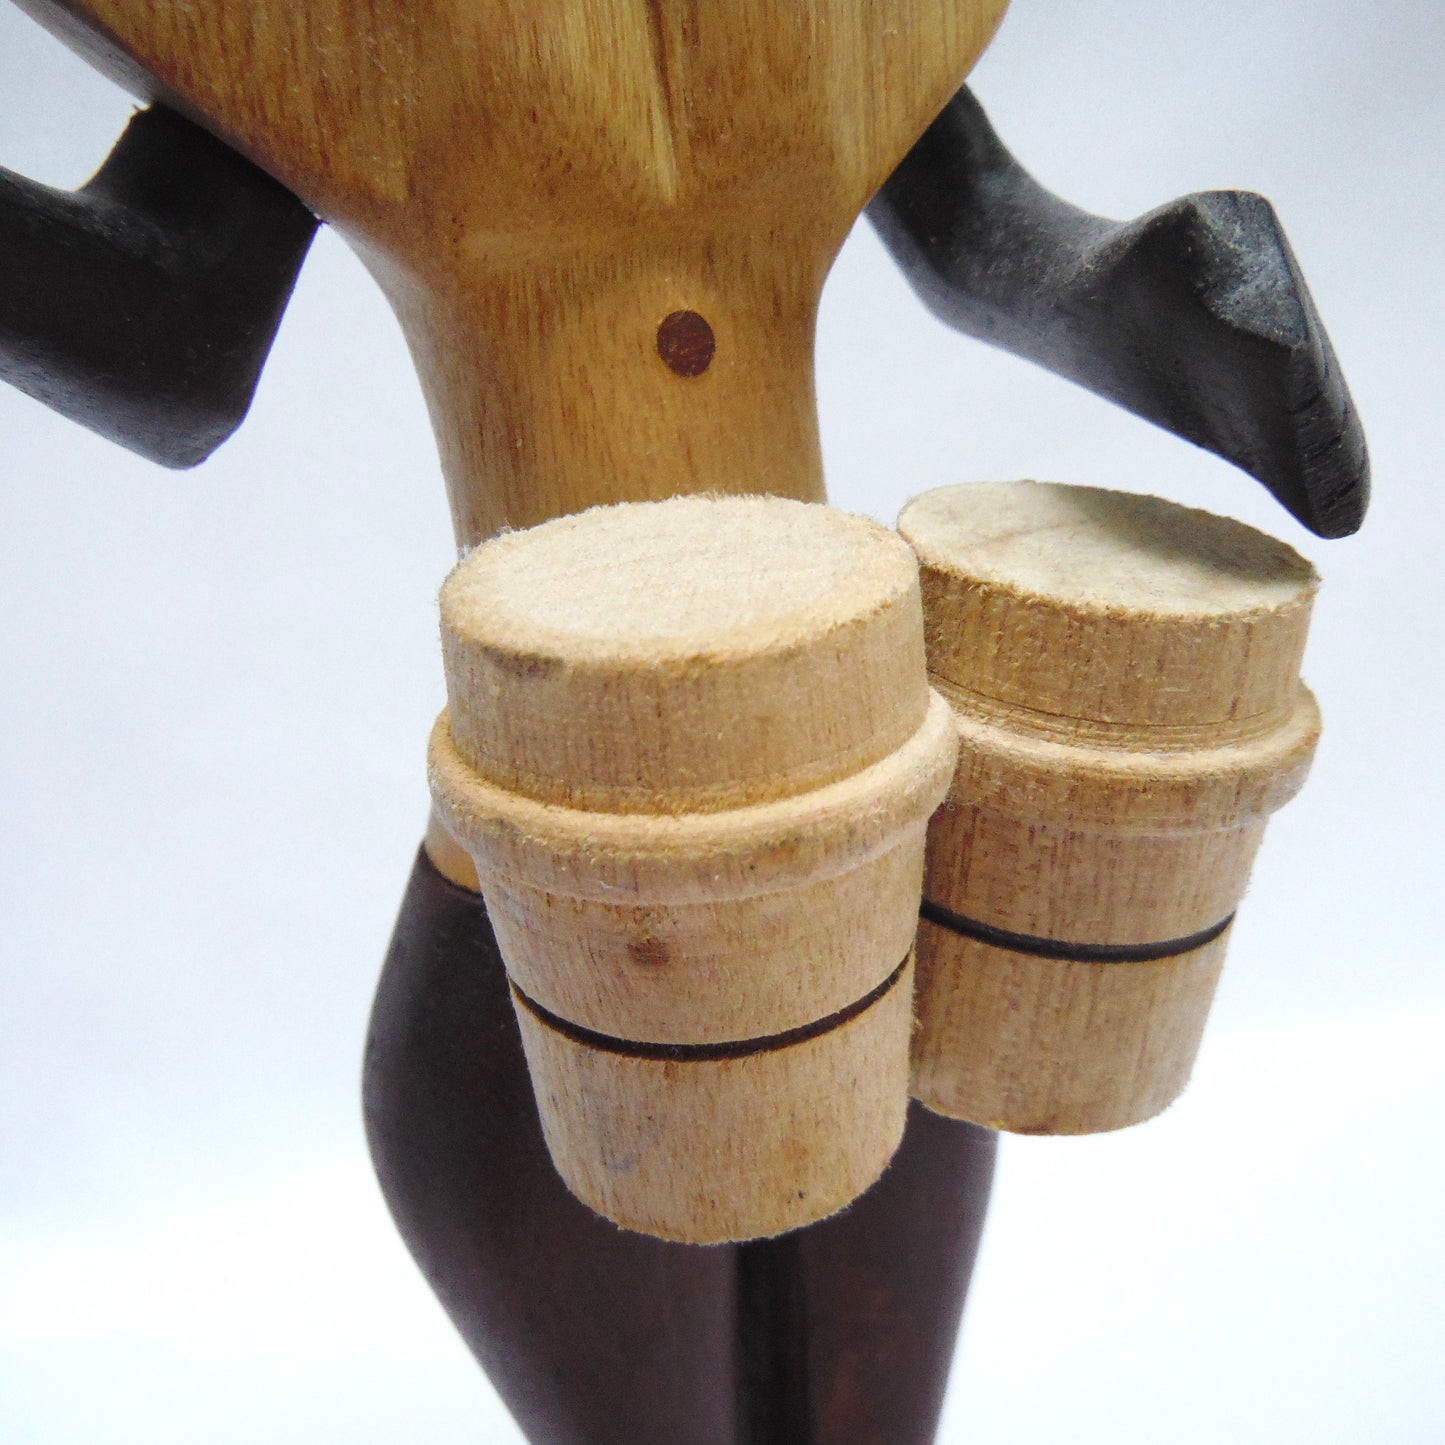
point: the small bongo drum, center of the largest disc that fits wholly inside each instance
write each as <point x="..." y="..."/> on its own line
<point x="692" y="749"/>
<point x="1125" y="675"/>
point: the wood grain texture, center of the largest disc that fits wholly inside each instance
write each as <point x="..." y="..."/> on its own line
<point x="1057" y="1046"/>
<point x="645" y="620"/>
<point x="692" y="752"/>
<point x="697" y="973"/>
<point x="1125" y="677"/>
<point x="538" y="184"/>
<point x="701" y="1151"/>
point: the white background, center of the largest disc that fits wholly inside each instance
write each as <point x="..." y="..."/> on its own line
<point x="216" y="689"/>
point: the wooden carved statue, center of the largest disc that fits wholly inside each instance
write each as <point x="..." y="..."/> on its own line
<point x="604" y="229"/>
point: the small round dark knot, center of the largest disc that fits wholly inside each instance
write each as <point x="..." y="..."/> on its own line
<point x="686" y="343"/>
<point x="649" y="952"/>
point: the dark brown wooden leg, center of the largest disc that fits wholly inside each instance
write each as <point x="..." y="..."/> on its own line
<point x="849" y="1326"/>
<point x="840" y="1334"/>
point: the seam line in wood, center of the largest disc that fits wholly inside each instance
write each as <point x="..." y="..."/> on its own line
<point x="712" y="1052"/>
<point x="1062" y="950"/>
<point x="1126" y="736"/>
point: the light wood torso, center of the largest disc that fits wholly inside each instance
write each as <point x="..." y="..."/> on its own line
<point x="536" y="184"/>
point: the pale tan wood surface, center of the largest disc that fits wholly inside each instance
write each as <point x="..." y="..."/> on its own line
<point x="643" y="621"/>
<point x="448" y="856"/>
<point x="1052" y="1046"/>
<point x="691" y="749"/>
<point x="773" y="1140"/>
<point x="696" y="973"/>
<point x="1127" y="619"/>
<point x="537" y="184"/>
<point x="1124" y="672"/>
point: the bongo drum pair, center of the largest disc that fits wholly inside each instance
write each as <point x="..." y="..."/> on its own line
<point x="693" y="748"/>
